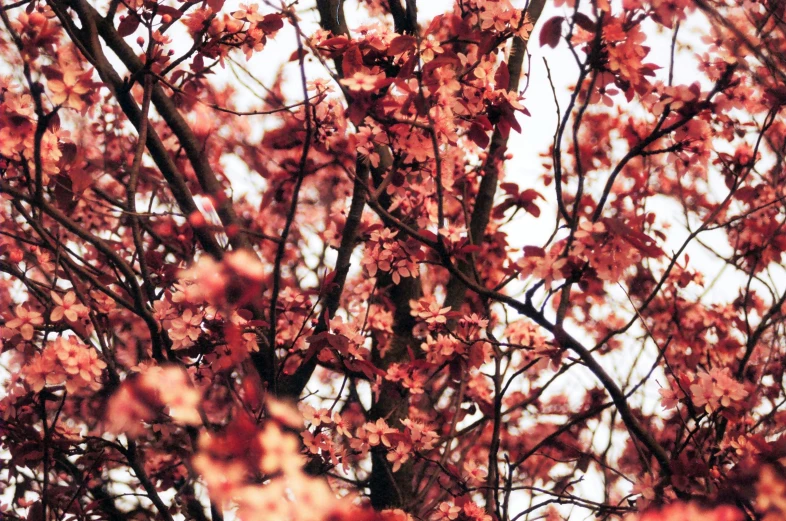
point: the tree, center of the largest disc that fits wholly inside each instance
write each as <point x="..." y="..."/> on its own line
<point x="318" y="291"/>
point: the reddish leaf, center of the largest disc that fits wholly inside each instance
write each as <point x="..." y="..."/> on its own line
<point x="446" y="59"/>
<point x="470" y="248"/>
<point x="488" y="42"/>
<point x="585" y="22"/>
<point x="271" y="23"/>
<point x="51" y="73"/>
<point x="401" y="44"/>
<point x="648" y="69"/>
<point x="164" y="10"/>
<point x="69" y="151"/>
<point x="80" y="180"/>
<point x="503" y="125"/>
<point x="551" y="31"/>
<point x="502" y="76"/>
<point x="298" y="54"/>
<point x="328" y="282"/>
<point x="504" y="206"/>
<point x="479" y="135"/>
<point x="408" y="68"/>
<point x="510" y="118"/>
<point x="484" y="122"/>
<point x="531" y="208"/>
<point x="457" y="370"/>
<point x="530" y="195"/>
<point x="54" y="122"/>
<point x="746" y="193"/>
<point x="339" y="42"/>
<point x="637" y="239"/>
<point x="429" y="235"/>
<point x="353" y="61"/>
<point x="64" y="195"/>
<point x="534" y="251"/>
<point x="128" y="25"/>
<point x="357" y="112"/>
<point x="36" y="512"/>
<point x="510" y="188"/>
<point x="362" y="366"/>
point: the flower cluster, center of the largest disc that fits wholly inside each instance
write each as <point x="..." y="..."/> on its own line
<point x="236" y="280"/>
<point x="233" y="461"/>
<point x="707" y="390"/>
<point x="65" y="360"/>
<point x="246" y="28"/>
<point x="145" y="396"/>
<point x="717" y="389"/>
<point x="67" y="307"/>
<point x="429" y="311"/>
<point x="25" y="321"/>
<point x="462" y="508"/>
<point x="387" y="254"/>
<point x="680" y="511"/>
<point x="70" y="84"/>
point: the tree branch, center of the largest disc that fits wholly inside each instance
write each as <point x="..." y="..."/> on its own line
<point x="484" y="201"/>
